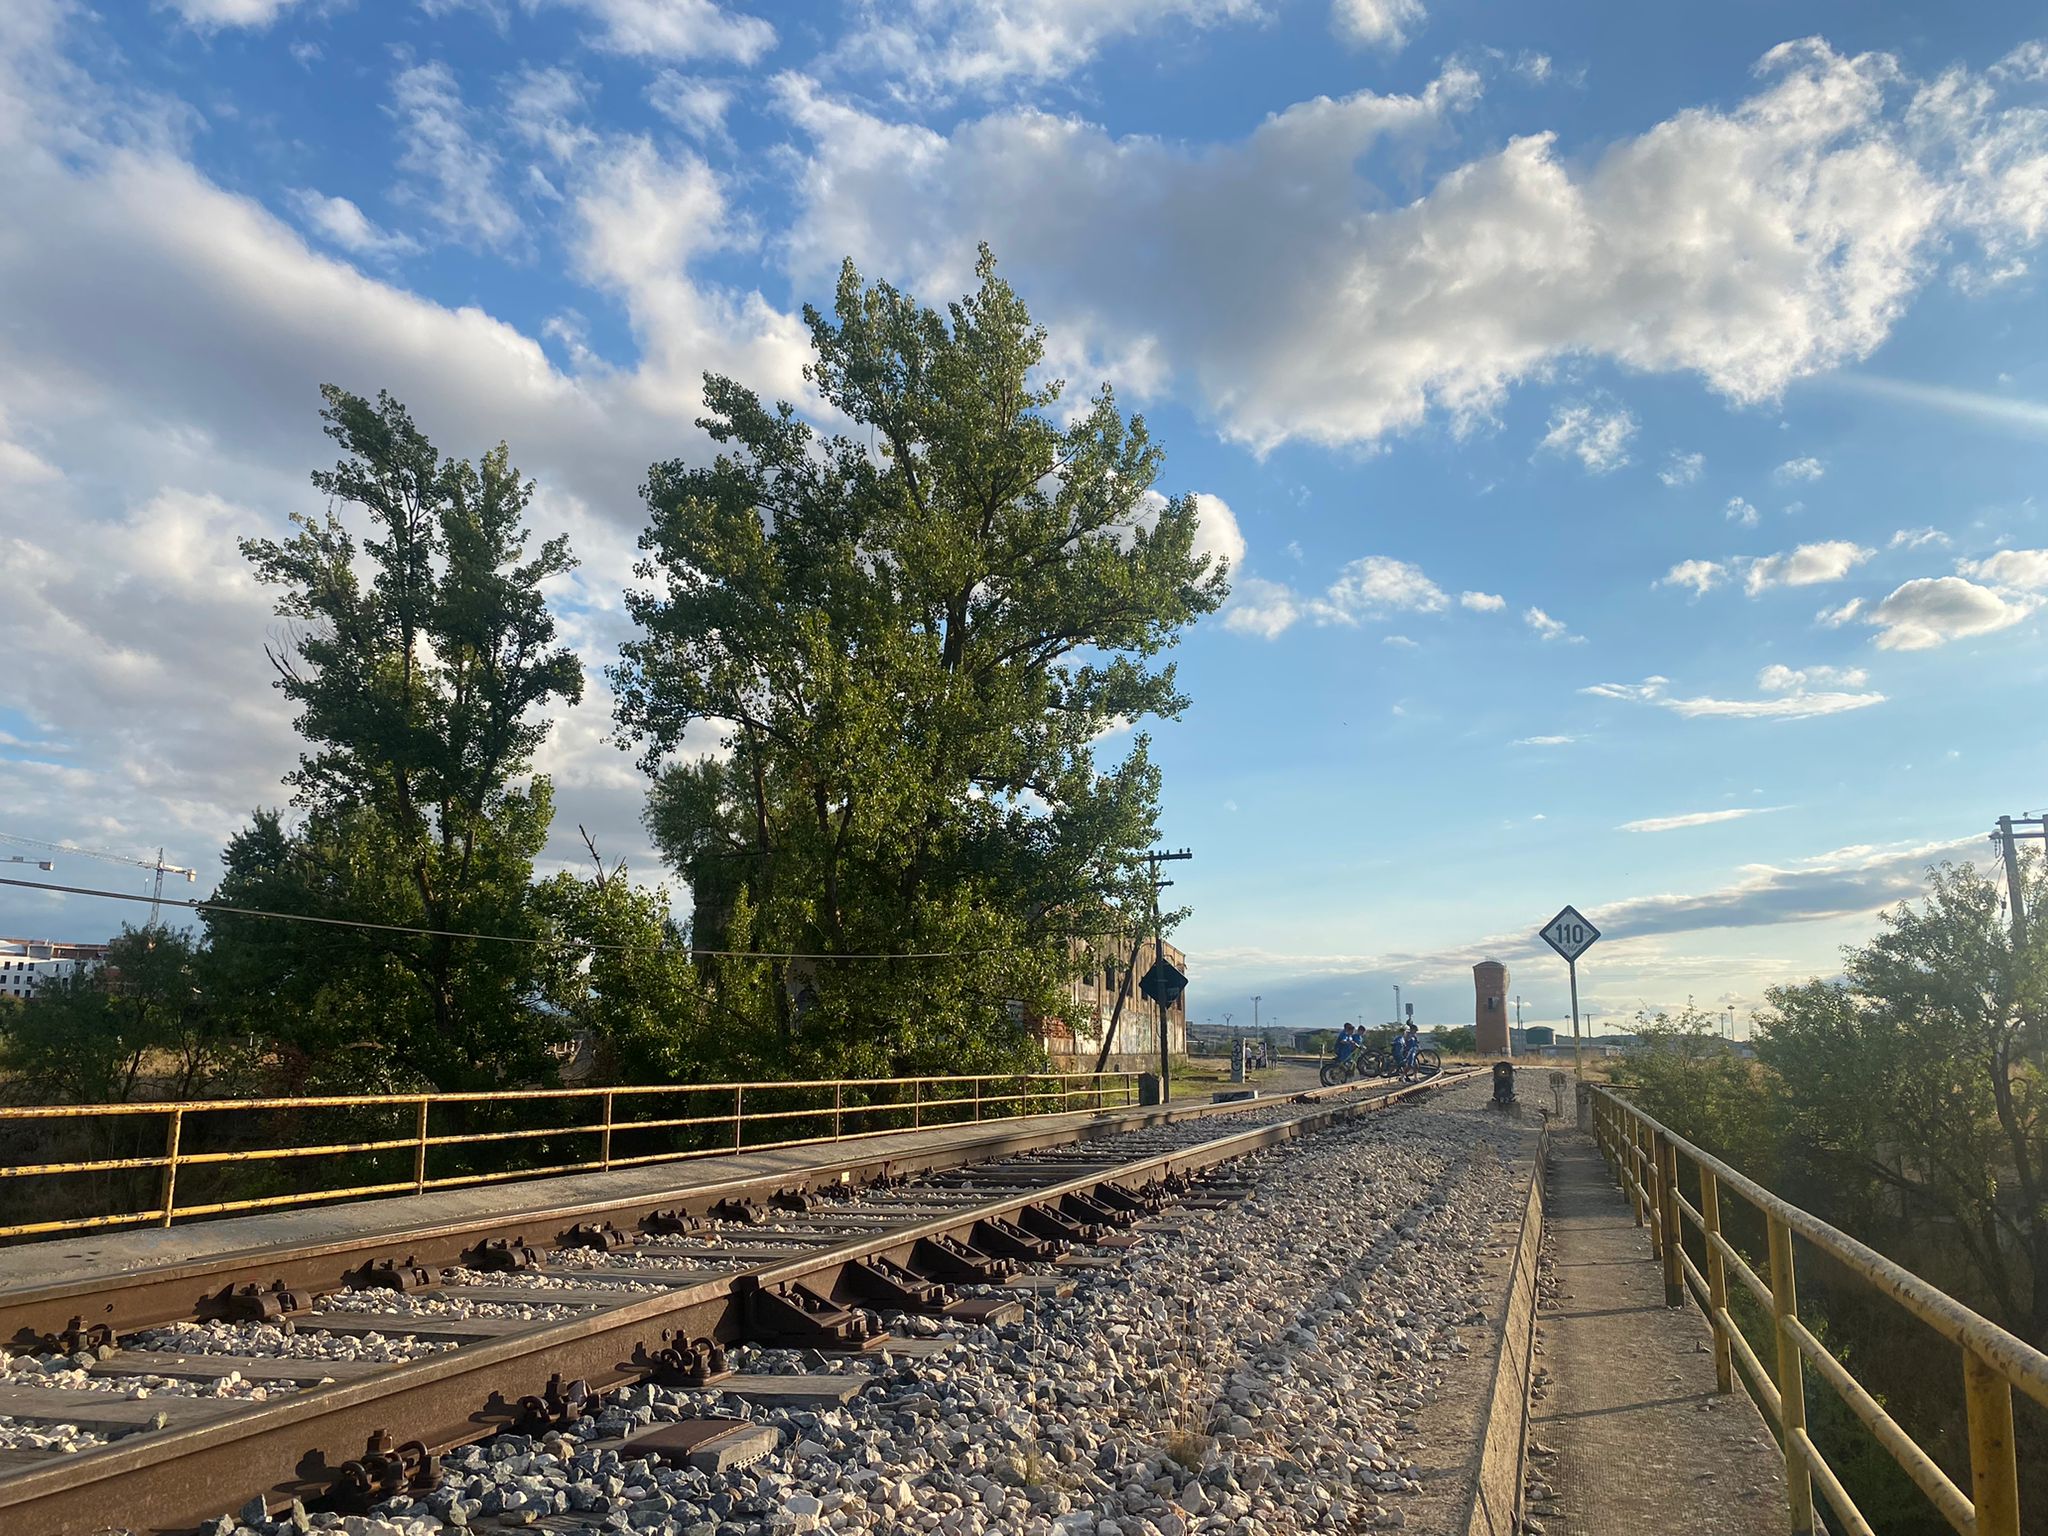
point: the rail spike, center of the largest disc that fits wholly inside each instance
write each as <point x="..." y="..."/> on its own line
<point x="384" y="1471"/>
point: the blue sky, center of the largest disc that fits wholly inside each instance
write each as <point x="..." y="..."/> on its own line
<point x="1627" y="425"/>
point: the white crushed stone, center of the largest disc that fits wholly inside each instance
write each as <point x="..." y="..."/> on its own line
<point x="55" y="1371"/>
<point x="1326" y="1306"/>
<point x="268" y="1341"/>
<point x="15" y="1435"/>
<point x="427" y="1304"/>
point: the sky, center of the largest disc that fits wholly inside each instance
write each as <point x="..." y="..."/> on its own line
<point x="1626" y="424"/>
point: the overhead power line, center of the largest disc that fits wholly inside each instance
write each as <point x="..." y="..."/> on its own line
<point x="491" y="938"/>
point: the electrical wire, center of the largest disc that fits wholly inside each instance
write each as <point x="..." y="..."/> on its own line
<point x="490" y="938"/>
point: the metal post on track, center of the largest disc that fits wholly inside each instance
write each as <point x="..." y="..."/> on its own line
<point x="419" y="1147"/>
<point x="168" y="1189"/>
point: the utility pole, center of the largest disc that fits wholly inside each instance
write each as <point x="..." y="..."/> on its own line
<point x="2007" y="836"/>
<point x="1152" y="861"/>
<point x="1255" y="1013"/>
<point x="1397" y="1005"/>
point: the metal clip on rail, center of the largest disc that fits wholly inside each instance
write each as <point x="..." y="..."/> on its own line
<point x="947" y="1258"/>
<point x="251" y="1304"/>
<point x="602" y="1237"/>
<point x="559" y="1407"/>
<point x="79" y="1338"/>
<point x="384" y="1472"/>
<point x="497" y="1256"/>
<point x="696" y="1364"/>
<point x="795" y="1316"/>
<point x="889" y="1284"/>
<point x="409" y="1276"/>
<point x="673" y="1221"/>
<point x="744" y="1212"/>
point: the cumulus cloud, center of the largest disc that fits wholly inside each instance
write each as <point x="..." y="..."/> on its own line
<point x="1548" y="628"/>
<point x="1598" y="438"/>
<point x="1778" y="678"/>
<point x="1695" y="819"/>
<point x="676" y="29"/>
<point x="1482" y="602"/>
<point x="1835" y="618"/>
<point x="210" y="14"/>
<point x="2023" y="568"/>
<point x="1807" y="566"/>
<point x="1701" y="576"/>
<point x="340" y="222"/>
<point x="1267" y="609"/>
<point x="1753" y="246"/>
<point x="1914" y="538"/>
<point x="1793" y="471"/>
<point x="452" y="174"/>
<point x="1930" y="612"/>
<point x="1740" y="512"/>
<point x="938" y="48"/>
<point x="1378" y="23"/>
<point x="1795" y="703"/>
<point x="1682" y="469"/>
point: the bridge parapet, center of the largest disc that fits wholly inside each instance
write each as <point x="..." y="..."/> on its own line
<point x="1653" y="1165"/>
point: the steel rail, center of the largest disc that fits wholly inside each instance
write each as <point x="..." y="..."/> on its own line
<point x="172" y="1480"/>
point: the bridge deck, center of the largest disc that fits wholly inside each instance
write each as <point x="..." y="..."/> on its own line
<point x="1642" y="1440"/>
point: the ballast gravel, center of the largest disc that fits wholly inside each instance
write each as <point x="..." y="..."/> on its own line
<point x="268" y="1341"/>
<point x="1256" y="1368"/>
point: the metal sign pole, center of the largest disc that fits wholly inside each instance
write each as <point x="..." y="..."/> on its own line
<point x="1578" y="1061"/>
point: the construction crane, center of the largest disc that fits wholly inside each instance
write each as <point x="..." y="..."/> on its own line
<point x="157" y="867"/>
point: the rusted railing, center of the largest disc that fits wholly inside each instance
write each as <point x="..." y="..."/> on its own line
<point x="1647" y="1158"/>
<point x="720" y="1118"/>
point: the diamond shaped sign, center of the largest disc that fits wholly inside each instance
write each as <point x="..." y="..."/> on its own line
<point x="1569" y="933"/>
<point x="1163" y="983"/>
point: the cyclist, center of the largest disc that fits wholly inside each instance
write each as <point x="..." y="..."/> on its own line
<point x="1405" y="1046"/>
<point x="1347" y="1044"/>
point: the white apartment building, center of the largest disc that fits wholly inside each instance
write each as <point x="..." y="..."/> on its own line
<point x="26" y="964"/>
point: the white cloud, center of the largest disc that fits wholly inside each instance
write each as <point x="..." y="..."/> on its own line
<point x="1543" y="741"/>
<point x="1778" y="678"/>
<point x="1400" y="643"/>
<point x="696" y="106"/>
<point x="1751" y="247"/>
<point x="676" y="29"/>
<point x="1694" y="819"/>
<point x="936" y="48"/>
<point x="207" y="14"/>
<point x="1376" y="586"/>
<point x="1548" y="628"/>
<point x="1482" y="602"/>
<point x="2029" y="416"/>
<point x="1377" y="23"/>
<point x="340" y="222"/>
<point x="1835" y="618"/>
<point x="453" y="174"/>
<point x="1597" y="437"/>
<point x="1794" y="470"/>
<point x="1682" y="468"/>
<point x="2023" y="568"/>
<point x="1795" y="705"/>
<point x="1807" y="566"/>
<point x="1217" y="535"/>
<point x="1699" y="575"/>
<point x="1263" y="608"/>
<point x="1914" y="538"/>
<point x="1930" y="612"/>
<point x="1740" y="512"/>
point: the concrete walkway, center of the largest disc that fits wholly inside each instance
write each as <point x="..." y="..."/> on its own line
<point x="1642" y="1441"/>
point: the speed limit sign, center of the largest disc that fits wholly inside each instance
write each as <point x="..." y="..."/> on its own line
<point x="1569" y="933"/>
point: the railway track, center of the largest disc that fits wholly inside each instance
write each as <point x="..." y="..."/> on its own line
<point x="500" y="1332"/>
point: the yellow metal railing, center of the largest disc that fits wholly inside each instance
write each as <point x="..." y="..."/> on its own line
<point x="720" y="1119"/>
<point x="1647" y="1157"/>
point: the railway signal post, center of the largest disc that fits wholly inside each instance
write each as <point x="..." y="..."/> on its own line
<point x="1571" y="936"/>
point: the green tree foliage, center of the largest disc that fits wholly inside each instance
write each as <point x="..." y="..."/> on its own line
<point x="1913" y="1091"/>
<point x="423" y="689"/>
<point x="139" y="1026"/>
<point x="1461" y="1039"/>
<point x="908" y="640"/>
<point x="623" y="978"/>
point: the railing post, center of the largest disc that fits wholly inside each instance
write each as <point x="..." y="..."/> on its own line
<point x="168" y="1189"/>
<point x="1791" y="1378"/>
<point x="977" y="1100"/>
<point x="917" y="1103"/>
<point x="1635" y="1168"/>
<point x="419" y="1147"/>
<point x="1674" y="1228"/>
<point x="739" y="1103"/>
<point x="1717" y="1279"/>
<point x="838" y="1110"/>
<point x="1994" y="1465"/>
<point x="604" y="1151"/>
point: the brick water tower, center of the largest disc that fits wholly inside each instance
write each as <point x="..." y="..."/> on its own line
<point x="1490" y="1007"/>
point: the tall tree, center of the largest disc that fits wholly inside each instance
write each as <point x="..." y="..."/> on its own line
<point x="1914" y="1089"/>
<point x="909" y="639"/>
<point x="422" y="693"/>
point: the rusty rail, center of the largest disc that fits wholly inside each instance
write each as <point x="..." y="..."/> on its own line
<point x="1647" y="1157"/>
<point x="924" y="1101"/>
